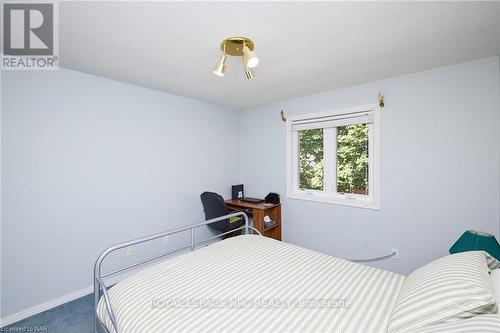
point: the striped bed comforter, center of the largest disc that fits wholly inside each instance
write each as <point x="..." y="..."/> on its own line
<point x="250" y="284"/>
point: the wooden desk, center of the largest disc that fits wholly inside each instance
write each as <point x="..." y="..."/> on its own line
<point x="258" y="211"/>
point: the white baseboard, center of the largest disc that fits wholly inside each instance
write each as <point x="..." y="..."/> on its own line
<point x="45" y="306"/>
<point x="64" y="299"/>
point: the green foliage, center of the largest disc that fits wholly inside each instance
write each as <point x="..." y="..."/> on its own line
<point x="352" y="159"/>
<point x="311" y="166"/>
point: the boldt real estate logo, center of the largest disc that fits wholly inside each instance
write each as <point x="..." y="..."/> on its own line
<point x="30" y="39"/>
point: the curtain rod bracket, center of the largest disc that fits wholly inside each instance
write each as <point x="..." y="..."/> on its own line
<point x="381" y="102"/>
<point x="283" y="115"/>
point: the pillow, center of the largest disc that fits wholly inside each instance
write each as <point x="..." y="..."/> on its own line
<point x="454" y="287"/>
<point x="492" y="262"/>
<point x="479" y="324"/>
<point x="495" y="283"/>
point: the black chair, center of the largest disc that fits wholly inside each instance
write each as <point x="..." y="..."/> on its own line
<point x="214" y="206"/>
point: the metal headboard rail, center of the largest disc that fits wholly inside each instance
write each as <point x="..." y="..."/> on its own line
<point x="99" y="285"/>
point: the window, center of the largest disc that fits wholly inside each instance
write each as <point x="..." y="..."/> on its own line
<point x="334" y="157"/>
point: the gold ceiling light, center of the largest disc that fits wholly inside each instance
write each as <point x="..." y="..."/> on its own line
<point x="238" y="47"/>
<point x="220" y="67"/>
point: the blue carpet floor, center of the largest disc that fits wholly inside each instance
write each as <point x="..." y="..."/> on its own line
<point x="72" y="317"/>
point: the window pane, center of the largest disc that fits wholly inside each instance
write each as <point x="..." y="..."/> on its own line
<point x="352" y="159"/>
<point x="311" y="159"/>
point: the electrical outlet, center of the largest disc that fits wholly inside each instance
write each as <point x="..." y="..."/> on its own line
<point x="130" y="251"/>
<point x="396" y="253"/>
<point x="165" y="240"/>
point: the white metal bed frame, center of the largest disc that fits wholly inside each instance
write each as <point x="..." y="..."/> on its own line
<point x="99" y="285"/>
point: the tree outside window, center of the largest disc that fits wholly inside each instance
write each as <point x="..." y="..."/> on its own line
<point x="352" y="159"/>
<point x="311" y="165"/>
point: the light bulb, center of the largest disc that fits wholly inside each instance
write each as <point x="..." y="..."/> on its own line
<point x="250" y="57"/>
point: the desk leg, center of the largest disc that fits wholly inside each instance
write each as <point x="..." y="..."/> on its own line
<point x="258" y="220"/>
<point x="278" y="218"/>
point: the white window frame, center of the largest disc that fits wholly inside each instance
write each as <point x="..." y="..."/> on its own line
<point x="329" y="195"/>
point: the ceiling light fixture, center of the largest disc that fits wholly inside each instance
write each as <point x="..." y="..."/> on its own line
<point x="220" y="67"/>
<point x="239" y="47"/>
<point x="248" y="70"/>
<point x="249" y="57"/>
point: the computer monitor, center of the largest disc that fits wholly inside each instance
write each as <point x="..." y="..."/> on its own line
<point x="237" y="192"/>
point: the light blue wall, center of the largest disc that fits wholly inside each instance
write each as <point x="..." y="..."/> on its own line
<point x="439" y="165"/>
<point x="89" y="162"/>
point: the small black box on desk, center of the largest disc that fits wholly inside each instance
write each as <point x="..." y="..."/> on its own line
<point x="273" y="198"/>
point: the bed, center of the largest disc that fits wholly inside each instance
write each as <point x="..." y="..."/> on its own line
<point x="251" y="283"/>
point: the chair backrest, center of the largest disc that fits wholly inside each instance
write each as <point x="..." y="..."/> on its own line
<point x="214" y="206"/>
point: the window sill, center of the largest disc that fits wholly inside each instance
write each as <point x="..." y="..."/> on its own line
<point x="334" y="201"/>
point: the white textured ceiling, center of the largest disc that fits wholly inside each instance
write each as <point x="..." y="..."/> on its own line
<point x="304" y="47"/>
